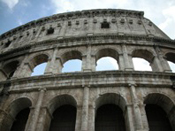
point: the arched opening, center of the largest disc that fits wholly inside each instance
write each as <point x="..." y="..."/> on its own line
<point x="171" y="61"/>
<point x="63" y="110"/>
<point x="109" y="117"/>
<point x="107" y="59"/>
<point x="17" y="115"/>
<point x="72" y="61"/>
<point x="157" y="118"/>
<point x="64" y="119"/>
<point x="141" y="64"/>
<point x="106" y="63"/>
<point x="160" y="112"/>
<point x="39" y="69"/>
<point x="38" y="64"/>
<point x="10" y="68"/>
<point x="20" y="121"/>
<point x="143" y="60"/>
<point x="172" y="66"/>
<point x="72" y="65"/>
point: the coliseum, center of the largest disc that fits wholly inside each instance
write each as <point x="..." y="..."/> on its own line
<point x="88" y="100"/>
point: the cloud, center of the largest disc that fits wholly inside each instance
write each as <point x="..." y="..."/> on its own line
<point x="141" y="64"/>
<point x="20" y="22"/>
<point x="169" y="21"/>
<point x="10" y="3"/>
<point x="72" y="5"/>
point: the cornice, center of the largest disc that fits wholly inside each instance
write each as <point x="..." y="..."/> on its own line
<point x="128" y="39"/>
<point x="88" y="77"/>
<point x="74" y="15"/>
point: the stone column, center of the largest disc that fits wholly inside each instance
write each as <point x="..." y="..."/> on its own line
<point x="127" y="62"/>
<point x="171" y="117"/>
<point x="36" y="111"/>
<point x="136" y="109"/>
<point x="84" y="120"/>
<point x="53" y="64"/>
<point x="129" y="118"/>
<point x="91" y="125"/>
<point x="121" y="62"/>
<point x="78" y="118"/>
<point x="44" y="119"/>
<point x="144" y="117"/>
<point x="3" y="76"/>
<point x="23" y="70"/>
<point x="163" y="62"/>
<point x="6" y="120"/>
<point x="156" y="65"/>
<point x="89" y="63"/>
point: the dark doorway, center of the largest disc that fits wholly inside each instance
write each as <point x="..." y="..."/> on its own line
<point x="109" y="118"/>
<point x="64" y="119"/>
<point x="21" y="120"/>
<point x="157" y="118"/>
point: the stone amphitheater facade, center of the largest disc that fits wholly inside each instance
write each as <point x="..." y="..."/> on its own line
<point x="87" y="99"/>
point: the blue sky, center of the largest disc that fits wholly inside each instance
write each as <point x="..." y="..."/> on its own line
<point x="14" y="13"/>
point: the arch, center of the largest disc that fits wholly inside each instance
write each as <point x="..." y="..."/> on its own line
<point x="38" y="60"/>
<point x="159" y="99"/>
<point x="72" y="59"/>
<point x="143" y="53"/>
<point x="170" y="56"/>
<point x="60" y="107"/>
<point x="170" y="59"/>
<point x="110" y="98"/>
<point x="13" y="110"/>
<point x="64" y="118"/>
<point x="110" y="109"/>
<point x="146" y="55"/>
<point x="61" y="100"/>
<point x="107" y="53"/>
<point x="161" y="102"/>
<point x="10" y="67"/>
<point x="73" y="54"/>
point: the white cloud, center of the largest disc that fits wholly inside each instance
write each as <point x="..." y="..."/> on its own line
<point x="106" y="63"/>
<point x="20" y="22"/>
<point x="141" y="64"/>
<point x="10" y="3"/>
<point x="72" y="5"/>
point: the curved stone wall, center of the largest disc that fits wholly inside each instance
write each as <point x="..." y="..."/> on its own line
<point x="88" y="36"/>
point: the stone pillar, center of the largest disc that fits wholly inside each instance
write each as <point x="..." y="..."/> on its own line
<point x="36" y="111"/>
<point x="3" y="76"/>
<point x="171" y="117"/>
<point x="89" y="63"/>
<point x="91" y="125"/>
<point x="163" y="62"/>
<point x="136" y="109"/>
<point x="78" y="118"/>
<point x="44" y="120"/>
<point x="6" y="120"/>
<point x="156" y="65"/>
<point x="121" y="62"/>
<point x="53" y="64"/>
<point x="144" y="117"/>
<point x="84" y="120"/>
<point x="23" y="70"/>
<point x="165" y="65"/>
<point x="129" y="118"/>
<point x="127" y="62"/>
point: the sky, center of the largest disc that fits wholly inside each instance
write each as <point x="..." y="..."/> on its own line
<point x="14" y="13"/>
